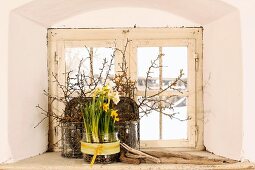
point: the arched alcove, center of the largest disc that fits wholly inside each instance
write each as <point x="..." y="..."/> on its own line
<point x="27" y="75"/>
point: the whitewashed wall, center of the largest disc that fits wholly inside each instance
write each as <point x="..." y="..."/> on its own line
<point x="5" y="10"/>
<point x="248" y="49"/>
<point x="117" y="17"/>
<point x="27" y="78"/>
<point x="223" y="86"/>
<point x="4" y="146"/>
<point x="247" y="15"/>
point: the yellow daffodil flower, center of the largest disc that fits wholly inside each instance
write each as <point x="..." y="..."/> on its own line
<point x="114" y="113"/>
<point x="116" y="119"/>
<point x="97" y="91"/>
<point x="105" y="107"/>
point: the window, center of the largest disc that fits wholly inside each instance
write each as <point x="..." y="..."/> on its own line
<point x="176" y="48"/>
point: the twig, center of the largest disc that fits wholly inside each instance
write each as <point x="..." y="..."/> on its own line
<point x="137" y="152"/>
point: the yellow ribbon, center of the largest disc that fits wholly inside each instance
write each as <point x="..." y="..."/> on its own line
<point x="99" y="149"/>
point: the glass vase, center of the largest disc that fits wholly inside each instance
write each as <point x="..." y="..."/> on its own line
<point x="100" y="140"/>
<point x="71" y="137"/>
<point x="129" y="133"/>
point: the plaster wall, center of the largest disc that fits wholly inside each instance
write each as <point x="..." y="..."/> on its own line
<point x="248" y="43"/>
<point x="48" y="12"/>
<point x="247" y="25"/>
<point x="5" y="9"/>
<point x="4" y="146"/>
<point x="117" y="17"/>
<point x="223" y="100"/>
<point x="27" y="78"/>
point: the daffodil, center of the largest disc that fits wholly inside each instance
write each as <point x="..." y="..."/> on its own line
<point x="114" y="113"/>
<point x="105" y="89"/>
<point x="110" y="84"/>
<point x="116" y="119"/>
<point x="105" y="107"/>
<point x="116" y="98"/>
<point x="97" y="90"/>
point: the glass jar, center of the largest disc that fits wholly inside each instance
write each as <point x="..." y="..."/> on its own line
<point x="129" y="133"/>
<point x="71" y="137"/>
<point x="106" y="138"/>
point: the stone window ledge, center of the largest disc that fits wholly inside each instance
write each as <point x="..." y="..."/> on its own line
<point x="53" y="161"/>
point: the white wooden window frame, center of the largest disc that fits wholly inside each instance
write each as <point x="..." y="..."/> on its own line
<point x="190" y="141"/>
<point x="59" y="39"/>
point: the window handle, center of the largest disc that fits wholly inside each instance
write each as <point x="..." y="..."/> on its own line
<point x="196" y="62"/>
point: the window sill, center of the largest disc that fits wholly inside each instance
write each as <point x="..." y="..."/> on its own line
<point x="54" y="161"/>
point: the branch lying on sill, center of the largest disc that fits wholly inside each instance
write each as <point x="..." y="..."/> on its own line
<point x="133" y="156"/>
<point x="185" y="158"/>
<point x="136" y="154"/>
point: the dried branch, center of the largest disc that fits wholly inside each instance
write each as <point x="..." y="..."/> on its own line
<point x="140" y="154"/>
<point x="82" y="85"/>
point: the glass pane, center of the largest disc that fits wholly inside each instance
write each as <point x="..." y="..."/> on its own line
<point x="101" y="55"/>
<point x="174" y="60"/>
<point x="145" y="57"/>
<point x="149" y="124"/>
<point x="174" y="128"/>
<point x="73" y="57"/>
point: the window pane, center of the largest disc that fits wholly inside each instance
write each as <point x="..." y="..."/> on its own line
<point x="73" y="57"/>
<point x="99" y="56"/>
<point x="145" y="56"/>
<point x="174" y="60"/>
<point x="174" y="128"/>
<point x="149" y="124"/>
